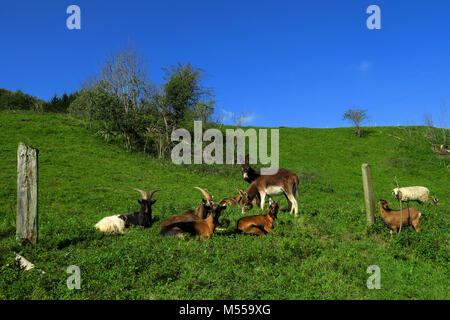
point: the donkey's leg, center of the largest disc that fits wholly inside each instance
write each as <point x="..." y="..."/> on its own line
<point x="289" y="202"/>
<point x="263" y="199"/>
<point x="294" y="206"/>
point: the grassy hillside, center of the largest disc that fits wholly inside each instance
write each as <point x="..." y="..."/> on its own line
<point x="323" y="254"/>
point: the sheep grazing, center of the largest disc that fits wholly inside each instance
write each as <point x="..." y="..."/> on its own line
<point x="399" y="218"/>
<point x="118" y="223"/>
<point x="419" y="194"/>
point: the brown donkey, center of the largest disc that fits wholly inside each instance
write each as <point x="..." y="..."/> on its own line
<point x="283" y="182"/>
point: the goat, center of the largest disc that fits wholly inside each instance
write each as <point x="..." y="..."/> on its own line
<point x="197" y="226"/>
<point x="199" y="213"/>
<point x="399" y="218"/>
<point x="144" y="216"/>
<point x="118" y="223"/>
<point x="283" y="182"/>
<point x="240" y="200"/>
<point x="111" y="224"/>
<point x="260" y="224"/>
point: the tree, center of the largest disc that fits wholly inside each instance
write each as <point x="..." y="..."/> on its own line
<point x="357" y="117"/>
<point x="437" y="136"/>
<point x="17" y="100"/>
<point x="126" y="103"/>
<point x="177" y="103"/>
<point x="85" y="102"/>
<point x="183" y="90"/>
<point x="124" y="80"/>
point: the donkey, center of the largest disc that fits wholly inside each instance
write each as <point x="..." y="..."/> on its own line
<point x="283" y="182"/>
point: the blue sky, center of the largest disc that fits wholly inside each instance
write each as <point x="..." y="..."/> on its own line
<point x="291" y="63"/>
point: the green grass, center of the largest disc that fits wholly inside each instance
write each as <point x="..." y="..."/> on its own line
<point x="323" y="254"/>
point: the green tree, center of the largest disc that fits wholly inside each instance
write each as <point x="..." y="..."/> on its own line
<point x="17" y="100"/>
<point x="356" y="117"/>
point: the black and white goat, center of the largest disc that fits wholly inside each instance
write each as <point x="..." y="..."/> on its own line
<point x="143" y="217"/>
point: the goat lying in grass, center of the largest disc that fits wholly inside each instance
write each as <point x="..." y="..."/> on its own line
<point x="189" y="215"/>
<point x="396" y="218"/>
<point x="260" y="224"/>
<point x="190" y="221"/>
<point x="118" y="223"/>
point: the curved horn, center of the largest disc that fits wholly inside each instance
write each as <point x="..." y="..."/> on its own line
<point x="143" y="193"/>
<point x="207" y="195"/>
<point x="150" y="193"/>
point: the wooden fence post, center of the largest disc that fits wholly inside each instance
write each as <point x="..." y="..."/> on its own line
<point x="368" y="193"/>
<point x="27" y="194"/>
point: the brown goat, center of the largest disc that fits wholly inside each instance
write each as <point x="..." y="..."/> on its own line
<point x="240" y="200"/>
<point x="260" y="224"/>
<point x="189" y="215"/>
<point x="194" y="221"/>
<point x="399" y="218"/>
<point x="203" y="228"/>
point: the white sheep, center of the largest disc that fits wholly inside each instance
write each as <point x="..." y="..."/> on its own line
<point x="406" y="194"/>
<point x="111" y="224"/>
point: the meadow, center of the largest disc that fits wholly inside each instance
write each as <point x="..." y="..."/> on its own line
<point x="322" y="254"/>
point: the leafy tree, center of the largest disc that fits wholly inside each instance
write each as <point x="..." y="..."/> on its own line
<point x="62" y="104"/>
<point x="183" y="90"/>
<point x="16" y="100"/>
<point x="124" y="80"/>
<point x="126" y="103"/>
<point x="177" y="103"/>
<point x="356" y="117"/>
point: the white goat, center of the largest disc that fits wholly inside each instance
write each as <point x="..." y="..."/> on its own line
<point x="406" y="194"/>
<point x="111" y="224"/>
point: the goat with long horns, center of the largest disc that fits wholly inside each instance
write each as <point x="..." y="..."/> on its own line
<point x="195" y="222"/>
<point x="143" y="217"/>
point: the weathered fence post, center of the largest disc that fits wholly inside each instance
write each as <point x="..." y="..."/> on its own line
<point x="27" y="194"/>
<point x="368" y="193"/>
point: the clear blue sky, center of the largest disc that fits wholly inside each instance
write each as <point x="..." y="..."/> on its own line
<point x="292" y="63"/>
